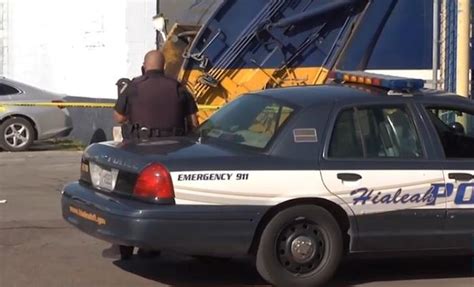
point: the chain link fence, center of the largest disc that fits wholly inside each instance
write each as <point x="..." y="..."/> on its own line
<point x="447" y="44"/>
<point x="448" y="19"/>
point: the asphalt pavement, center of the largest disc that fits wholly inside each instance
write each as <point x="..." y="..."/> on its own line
<point x="37" y="248"/>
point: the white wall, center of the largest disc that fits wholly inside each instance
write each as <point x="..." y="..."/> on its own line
<point x="3" y="36"/>
<point x="78" y="47"/>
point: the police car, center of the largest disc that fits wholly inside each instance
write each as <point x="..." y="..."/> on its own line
<point x="297" y="177"/>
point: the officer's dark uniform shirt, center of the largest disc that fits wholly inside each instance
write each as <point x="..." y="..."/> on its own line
<point x="156" y="102"/>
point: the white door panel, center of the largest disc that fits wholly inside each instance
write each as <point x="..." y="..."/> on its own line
<point x="461" y="192"/>
<point x="387" y="190"/>
<point x="460" y="212"/>
<point x="249" y="187"/>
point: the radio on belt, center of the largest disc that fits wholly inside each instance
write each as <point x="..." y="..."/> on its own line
<point x="376" y="80"/>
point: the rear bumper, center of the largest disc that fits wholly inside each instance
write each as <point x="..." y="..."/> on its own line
<point x="187" y="229"/>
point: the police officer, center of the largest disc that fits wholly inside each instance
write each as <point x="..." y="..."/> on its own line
<point x="154" y="105"/>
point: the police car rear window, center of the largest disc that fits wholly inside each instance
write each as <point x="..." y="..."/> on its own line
<point x="251" y="121"/>
<point x="455" y="128"/>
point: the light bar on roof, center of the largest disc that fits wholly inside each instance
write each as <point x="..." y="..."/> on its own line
<point x="377" y="80"/>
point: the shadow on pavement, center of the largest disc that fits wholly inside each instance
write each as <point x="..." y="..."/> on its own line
<point x="57" y="145"/>
<point x="53" y="145"/>
<point x="185" y="271"/>
<point x="66" y="144"/>
<point x="359" y="271"/>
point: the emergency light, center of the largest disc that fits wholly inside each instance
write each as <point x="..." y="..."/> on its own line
<point x="377" y="80"/>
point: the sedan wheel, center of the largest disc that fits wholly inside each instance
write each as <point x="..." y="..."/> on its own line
<point x="300" y="246"/>
<point x="17" y="134"/>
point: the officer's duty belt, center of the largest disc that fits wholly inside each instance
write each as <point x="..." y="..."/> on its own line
<point x="147" y="133"/>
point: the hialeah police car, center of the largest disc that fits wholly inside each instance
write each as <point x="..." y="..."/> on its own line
<point x="297" y="177"/>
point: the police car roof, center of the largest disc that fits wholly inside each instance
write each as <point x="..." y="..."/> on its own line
<point x="350" y="93"/>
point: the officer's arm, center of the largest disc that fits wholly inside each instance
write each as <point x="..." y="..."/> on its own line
<point x="120" y="109"/>
<point x="119" y="118"/>
<point x="190" y="108"/>
<point x="193" y="122"/>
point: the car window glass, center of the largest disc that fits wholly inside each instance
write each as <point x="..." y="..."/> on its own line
<point x="7" y="90"/>
<point x="375" y="132"/>
<point x="250" y="121"/>
<point x="345" y="142"/>
<point x="455" y="129"/>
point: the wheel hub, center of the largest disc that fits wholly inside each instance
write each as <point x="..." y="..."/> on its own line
<point x="16" y="135"/>
<point x="301" y="246"/>
<point x="303" y="249"/>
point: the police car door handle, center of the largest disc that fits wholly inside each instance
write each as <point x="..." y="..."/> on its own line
<point x="461" y="176"/>
<point x="349" y="176"/>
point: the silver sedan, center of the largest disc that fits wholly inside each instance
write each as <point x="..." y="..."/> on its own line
<point x="20" y="126"/>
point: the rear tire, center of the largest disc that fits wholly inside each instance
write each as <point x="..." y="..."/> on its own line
<point x="300" y="246"/>
<point x="16" y="134"/>
<point x="148" y="253"/>
<point x="126" y="252"/>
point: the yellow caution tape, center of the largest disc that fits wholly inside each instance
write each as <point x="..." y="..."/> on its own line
<point x="80" y="105"/>
<point x="208" y="107"/>
<point x="65" y="105"/>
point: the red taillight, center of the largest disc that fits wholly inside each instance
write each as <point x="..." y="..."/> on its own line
<point x="154" y="182"/>
<point x="58" y="102"/>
